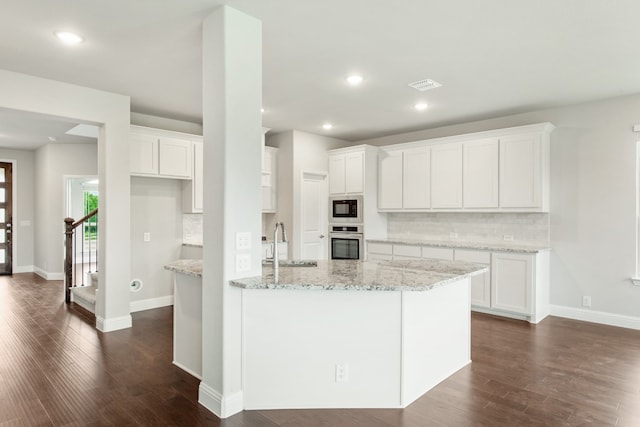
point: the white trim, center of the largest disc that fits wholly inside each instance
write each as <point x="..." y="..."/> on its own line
<point x="218" y="404"/>
<point x="114" y="323"/>
<point x="612" y="319"/>
<point x="48" y="276"/>
<point x="24" y="269"/>
<point x="151" y="303"/>
<point x="83" y="303"/>
<point x="187" y="370"/>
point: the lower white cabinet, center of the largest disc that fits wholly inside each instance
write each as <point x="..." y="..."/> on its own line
<point x="480" y="283"/>
<point x="516" y="285"/>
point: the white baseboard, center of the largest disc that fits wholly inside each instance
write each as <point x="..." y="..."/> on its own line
<point x="151" y="303"/>
<point x="48" y="276"/>
<point x="602" y="317"/>
<point x="187" y="370"/>
<point x="113" y="324"/>
<point x="222" y="407"/>
<point x="24" y="269"/>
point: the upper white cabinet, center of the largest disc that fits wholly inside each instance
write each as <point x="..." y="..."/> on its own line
<point x="269" y="179"/>
<point x="159" y="153"/>
<point x="346" y="173"/>
<point x="520" y="171"/>
<point x="446" y="176"/>
<point x="390" y="180"/>
<point x="505" y="170"/>
<point x="192" y="191"/>
<point x="480" y="173"/>
<point x="404" y="179"/>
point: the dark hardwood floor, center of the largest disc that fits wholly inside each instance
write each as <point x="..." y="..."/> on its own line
<point x="56" y="369"/>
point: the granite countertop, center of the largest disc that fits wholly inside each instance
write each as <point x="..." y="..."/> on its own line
<point x="349" y="275"/>
<point x="460" y="244"/>
<point x="190" y="267"/>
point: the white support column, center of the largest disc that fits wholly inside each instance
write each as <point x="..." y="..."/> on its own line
<point x="232" y="98"/>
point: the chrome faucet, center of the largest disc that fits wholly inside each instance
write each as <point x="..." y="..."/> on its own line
<point x="276" y="257"/>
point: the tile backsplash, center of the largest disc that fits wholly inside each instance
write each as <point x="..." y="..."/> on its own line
<point x="526" y="228"/>
<point x="192" y="229"/>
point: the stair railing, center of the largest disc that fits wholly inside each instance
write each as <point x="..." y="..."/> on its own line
<point x="89" y="241"/>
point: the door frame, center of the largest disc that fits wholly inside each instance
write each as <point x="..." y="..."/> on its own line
<point x="14" y="215"/>
<point x="297" y="253"/>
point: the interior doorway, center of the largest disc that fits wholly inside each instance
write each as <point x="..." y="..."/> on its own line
<point x="314" y="216"/>
<point x="82" y="198"/>
<point x="6" y="218"/>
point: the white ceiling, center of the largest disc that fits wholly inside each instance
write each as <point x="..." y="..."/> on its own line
<point x="493" y="57"/>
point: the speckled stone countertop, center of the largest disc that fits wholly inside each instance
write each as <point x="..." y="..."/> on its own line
<point x="348" y="275"/>
<point x="190" y="267"/>
<point x="459" y="244"/>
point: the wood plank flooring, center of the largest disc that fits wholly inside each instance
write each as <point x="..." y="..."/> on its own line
<point x="56" y="369"/>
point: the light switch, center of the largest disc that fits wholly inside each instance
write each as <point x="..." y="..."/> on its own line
<point x="146" y="237"/>
<point x="243" y="241"/>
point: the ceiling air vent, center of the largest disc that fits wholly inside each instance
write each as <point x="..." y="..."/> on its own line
<point x="425" y="84"/>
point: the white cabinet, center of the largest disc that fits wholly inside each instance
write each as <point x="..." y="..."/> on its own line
<point x="445" y="254"/>
<point x="406" y="252"/>
<point x="480" y="173"/>
<point x="416" y="176"/>
<point x="346" y="173"/>
<point x="390" y="182"/>
<point x="520" y="171"/>
<point x="511" y="282"/>
<point x="269" y="179"/>
<point x="379" y="251"/>
<point x="192" y="190"/>
<point x="159" y="153"/>
<point x="480" y="283"/>
<point x="446" y="176"/>
<point x="404" y="179"/>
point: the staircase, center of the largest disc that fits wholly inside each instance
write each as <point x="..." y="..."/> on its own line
<point x="81" y="261"/>
<point x="85" y="295"/>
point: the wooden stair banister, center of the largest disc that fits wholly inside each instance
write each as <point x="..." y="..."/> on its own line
<point x="70" y="227"/>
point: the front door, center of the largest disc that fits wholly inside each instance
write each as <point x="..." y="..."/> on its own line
<point x="5" y="219"/>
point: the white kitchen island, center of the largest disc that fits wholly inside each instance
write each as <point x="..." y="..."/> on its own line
<point x="353" y="334"/>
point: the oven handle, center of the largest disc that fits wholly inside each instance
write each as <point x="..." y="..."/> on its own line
<point x="353" y="236"/>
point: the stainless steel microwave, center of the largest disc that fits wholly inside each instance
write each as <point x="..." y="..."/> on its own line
<point x="345" y="209"/>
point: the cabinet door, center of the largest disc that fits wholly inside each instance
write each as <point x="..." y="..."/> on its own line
<point x="429" y="252"/>
<point x="269" y="195"/>
<point x="416" y="190"/>
<point x="143" y="154"/>
<point x="337" y="174"/>
<point x="520" y="171"/>
<point x="192" y="191"/>
<point x="446" y="176"/>
<point x="480" y="283"/>
<point x="480" y="174"/>
<point x="354" y="172"/>
<point x="406" y="252"/>
<point x="390" y="180"/>
<point x="511" y="281"/>
<point x="175" y="158"/>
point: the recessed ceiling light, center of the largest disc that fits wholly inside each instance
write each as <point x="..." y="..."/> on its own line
<point x="421" y="106"/>
<point x="354" y="80"/>
<point x="327" y="126"/>
<point x="69" y="38"/>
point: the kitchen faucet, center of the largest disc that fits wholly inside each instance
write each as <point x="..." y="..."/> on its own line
<point x="276" y="257"/>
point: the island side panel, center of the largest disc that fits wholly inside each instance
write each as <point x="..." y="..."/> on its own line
<point x="436" y="337"/>
<point x="293" y="341"/>
<point x="187" y="324"/>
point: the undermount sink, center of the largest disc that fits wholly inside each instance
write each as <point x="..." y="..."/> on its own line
<point x="292" y="263"/>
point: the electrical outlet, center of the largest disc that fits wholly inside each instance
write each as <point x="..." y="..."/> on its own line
<point x="342" y="373"/>
<point x="146" y="237"/>
<point x="453" y="235"/>
<point x="243" y="241"/>
<point x="508" y="237"/>
<point x="586" y="301"/>
<point x="243" y="262"/>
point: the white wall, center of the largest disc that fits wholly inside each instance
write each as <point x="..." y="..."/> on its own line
<point x="156" y="208"/>
<point x="593" y="199"/>
<point x="298" y="152"/>
<point x="52" y="163"/>
<point x="23" y="209"/>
